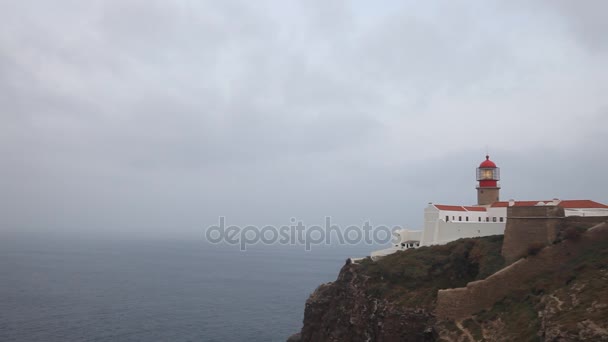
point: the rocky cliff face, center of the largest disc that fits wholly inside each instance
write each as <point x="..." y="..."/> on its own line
<point x="346" y="311"/>
<point x="394" y="299"/>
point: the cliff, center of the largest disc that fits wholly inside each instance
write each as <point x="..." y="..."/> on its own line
<point x="396" y="298"/>
<point x="393" y="299"/>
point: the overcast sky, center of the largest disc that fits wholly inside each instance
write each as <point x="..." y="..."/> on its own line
<point x="156" y="117"/>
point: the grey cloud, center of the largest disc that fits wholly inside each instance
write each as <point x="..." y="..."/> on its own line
<point x="585" y="20"/>
<point x="137" y="116"/>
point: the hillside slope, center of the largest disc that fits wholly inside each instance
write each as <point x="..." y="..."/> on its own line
<point x="566" y="301"/>
<point x="394" y="299"/>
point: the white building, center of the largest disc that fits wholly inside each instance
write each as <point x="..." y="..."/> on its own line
<point x="446" y="223"/>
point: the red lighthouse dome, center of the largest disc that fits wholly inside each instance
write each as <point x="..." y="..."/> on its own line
<point x="487" y="163"/>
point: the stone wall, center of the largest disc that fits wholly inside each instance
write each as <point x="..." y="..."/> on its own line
<point x="581" y="221"/>
<point x="538" y="225"/>
<point x="487" y="195"/>
<point x="479" y="295"/>
<point x="527" y="226"/>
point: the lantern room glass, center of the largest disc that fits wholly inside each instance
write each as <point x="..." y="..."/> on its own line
<point x="488" y="174"/>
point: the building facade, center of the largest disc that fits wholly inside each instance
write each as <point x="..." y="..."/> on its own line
<point x="446" y="223"/>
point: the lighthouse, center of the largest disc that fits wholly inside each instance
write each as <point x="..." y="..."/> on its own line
<point x="446" y="223"/>
<point x="488" y="175"/>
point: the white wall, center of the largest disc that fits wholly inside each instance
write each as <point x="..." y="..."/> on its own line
<point x="450" y="231"/>
<point x="438" y="231"/>
<point x="431" y="217"/>
<point x="474" y="216"/>
<point x="461" y="216"/>
<point x="410" y="235"/>
<point x="586" y="212"/>
<point x="498" y="213"/>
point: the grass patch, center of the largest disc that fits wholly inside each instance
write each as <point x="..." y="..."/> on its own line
<point x="519" y="315"/>
<point x="412" y="277"/>
<point x="578" y="283"/>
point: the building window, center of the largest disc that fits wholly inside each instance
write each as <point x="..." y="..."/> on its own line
<point x="501" y="219"/>
<point x="452" y="218"/>
<point x="466" y="219"/>
<point x="487" y="219"/>
<point x="479" y="219"/>
<point x="447" y="218"/>
<point x="494" y="219"/>
<point x="459" y="218"/>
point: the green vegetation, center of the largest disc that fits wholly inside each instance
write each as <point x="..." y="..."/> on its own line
<point x="413" y="277"/>
<point x="573" y="292"/>
<point x="521" y="315"/>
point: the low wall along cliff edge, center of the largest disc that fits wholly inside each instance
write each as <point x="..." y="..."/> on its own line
<point x="538" y="225"/>
<point x="462" y="302"/>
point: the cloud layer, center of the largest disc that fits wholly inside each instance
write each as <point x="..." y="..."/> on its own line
<point x="154" y="117"/>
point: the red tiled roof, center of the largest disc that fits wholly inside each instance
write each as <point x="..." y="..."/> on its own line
<point x="458" y="208"/>
<point x="469" y="208"/>
<point x="449" y="207"/>
<point x="568" y="204"/>
<point x="504" y="204"/>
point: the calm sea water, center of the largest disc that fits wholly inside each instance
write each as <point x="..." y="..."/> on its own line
<point x="54" y="289"/>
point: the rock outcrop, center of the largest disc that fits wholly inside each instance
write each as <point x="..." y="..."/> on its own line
<point x="395" y="298"/>
<point x="345" y="311"/>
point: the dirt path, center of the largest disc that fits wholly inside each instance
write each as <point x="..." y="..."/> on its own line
<point x="465" y="331"/>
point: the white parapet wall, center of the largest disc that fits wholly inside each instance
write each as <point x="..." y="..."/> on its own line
<point x="586" y="212"/>
<point x="446" y="223"/>
<point x="451" y="231"/>
<point x="406" y="235"/>
<point x="384" y="252"/>
<point x="406" y="239"/>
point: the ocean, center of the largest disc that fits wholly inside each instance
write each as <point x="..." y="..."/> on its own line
<point x="68" y="289"/>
